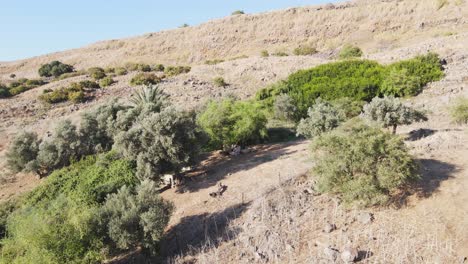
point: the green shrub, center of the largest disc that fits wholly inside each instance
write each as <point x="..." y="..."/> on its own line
<point x="159" y="142"/>
<point x="136" y="217"/>
<point x="363" y="164"/>
<point x="109" y="70"/>
<point x="349" y="51"/>
<point x="107" y="81"/>
<point x="76" y="97"/>
<point x="150" y="94"/>
<point x="322" y="117"/>
<point x="220" y="82"/>
<point x="120" y="71"/>
<point x="158" y="68"/>
<point x="144" y="67"/>
<point x="20" y="86"/>
<point x="4" y="91"/>
<point x="56" y="96"/>
<point x="184" y="25"/>
<point x="280" y="54"/>
<point x="12" y="76"/>
<point x="96" y="73"/>
<point x="390" y="112"/>
<point x="22" y="151"/>
<point x="229" y="122"/>
<point x="284" y="108"/>
<point x="427" y="68"/>
<point x="213" y="62"/>
<point x="55" y="68"/>
<point x="238" y="12"/>
<point x="70" y="75"/>
<point x="305" y="50"/>
<point x="6" y="209"/>
<point x="399" y="83"/>
<point x="145" y="79"/>
<point x="18" y="89"/>
<point x="459" y="111"/>
<point x="176" y="70"/>
<point x="349" y="107"/>
<point x="264" y="53"/>
<point x="87" y="84"/>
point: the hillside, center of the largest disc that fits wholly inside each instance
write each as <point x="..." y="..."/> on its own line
<point x="270" y="206"/>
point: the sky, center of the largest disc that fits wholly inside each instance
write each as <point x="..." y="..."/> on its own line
<point x="34" y="27"/>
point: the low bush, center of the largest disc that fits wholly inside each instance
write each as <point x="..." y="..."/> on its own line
<point x="144" y="67"/>
<point x="280" y="54"/>
<point x="349" y="107"/>
<point x="305" y="50"/>
<point x="107" y="81"/>
<point x="136" y="217"/>
<point x="213" y="62"/>
<point x="176" y="70"/>
<point x="19" y="86"/>
<point x="238" y="12"/>
<point x="85" y="84"/>
<point x="229" y="122"/>
<point x="109" y="70"/>
<point x="4" y="91"/>
<point x="264" y="53"/>
<point x="23" y="151"/>
<point x="76" y="97"/>
<point x="399" y="83"/>
<point x="219" y="81"/>
<point x="56" y="96"/>
<point x="70" y="75"/>
<point x="96" y="73"/>
<point x="362" y="164"/>
<point x="322" y="117"/>
<point x="391" y="112"/>
<point x="459" y="111"/>
<point x="145" y="79"/>
<point x="55" y="69"/>
<point x="158" y="68"/>
<point x="120" y="71"/>
<point x="349" y="51"/>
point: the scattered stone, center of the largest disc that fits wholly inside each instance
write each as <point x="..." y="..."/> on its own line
<point x="349" y="254"/>
<point x="365" y="218"/>
<point x="328" y="228"/>
<point x="331" y="253"/>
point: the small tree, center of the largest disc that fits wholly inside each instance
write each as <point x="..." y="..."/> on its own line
<point x="284" y="108"/>
<point x="229" y="122"/>
<point x="23" y="151"/>
<point x="391" y="112"/>
<point x="361" y="163"/>
<point x="322" y="117"/>
<point x="136" y="217"/>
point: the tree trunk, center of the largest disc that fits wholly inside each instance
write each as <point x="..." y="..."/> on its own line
<point x="394" y="129"/>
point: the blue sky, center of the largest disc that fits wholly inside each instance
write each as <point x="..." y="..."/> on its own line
<point x="35" y="27"/>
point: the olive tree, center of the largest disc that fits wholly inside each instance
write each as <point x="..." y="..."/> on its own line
<point x="322" y="117"/>
<point x="23" y="151"/>
<point x="391" y="112"/>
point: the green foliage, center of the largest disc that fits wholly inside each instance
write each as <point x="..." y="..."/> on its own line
<point x="158" y="67"/>
<point x="358" y="80"/>
<point x="145" y="79"/>
<point x="176" y="70"/>
<point x="220" y="82"/>
<point x="87" y="181"/>
<point x="213" y="62"/>
<point x="363" y="164"/>
<point x="4" y="91"/>
<point x="74" y="93"/>
<point x="70" y="74"/>
<point x="19" y="86"/>
<point x="55" y="69"/>
<point x="136" y="216"/>
<point x="6" y="208"/>
<point x="305" y="50"/>
<point x="264" y="53"/>
<point x="427" y="68"/>
<point x="184" y="25"/>
<point x="106" y="81"/>
<point x="391" y="112"/>
<point x="322" y="117"/>
<point x="120" y="71"/>
<point x="85" y="84"/>
<point x="350" y="51"/>
<point x="12" y="76"/>
<point x="144" y="67"/>
<point x="159" y="142"/>
<point x="238" y="12"/>
<point x="459" y="111"/>
<point x="349" y="107"/>
<point x="284" y="108"/>
<point x="229" y="122"/>
<point x="56" y="96"/>
<point x="23" y="151"/>
<point x="76" y="97"/>
<point x="150" y="94"/>
<point x="96" y="73"/>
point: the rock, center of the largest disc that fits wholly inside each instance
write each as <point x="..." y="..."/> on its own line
<point x="328" y="228"/>
<point x="349" y="254"/>
<point x="331" y="253"/>
<point x="365" y="218"/>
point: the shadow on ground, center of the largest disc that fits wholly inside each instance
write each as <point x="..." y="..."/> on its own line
<point x="195" y="232"/>
<point x="216" y="167"/>
<point x="433" y="173"/>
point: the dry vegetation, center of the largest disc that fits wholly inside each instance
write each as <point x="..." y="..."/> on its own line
<point x="270" y="211"/>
